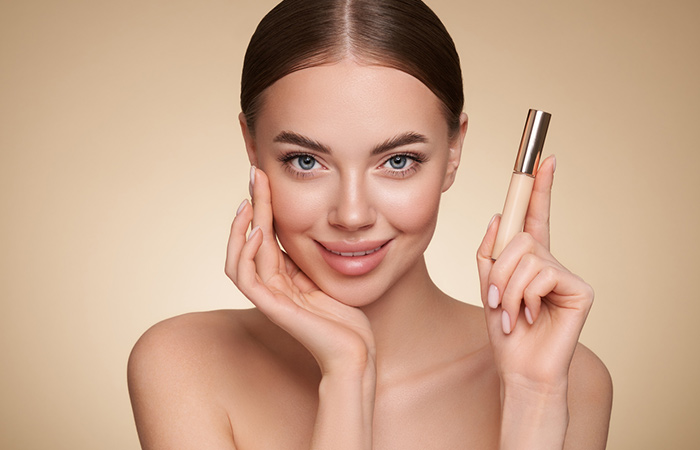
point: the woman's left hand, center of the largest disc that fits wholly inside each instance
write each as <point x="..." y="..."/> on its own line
<point x="535" y="308"/>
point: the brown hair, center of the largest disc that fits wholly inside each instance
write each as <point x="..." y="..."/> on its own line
<point x="400" y="34"/>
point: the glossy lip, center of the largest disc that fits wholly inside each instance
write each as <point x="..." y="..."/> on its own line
<point x="353" y="258"/>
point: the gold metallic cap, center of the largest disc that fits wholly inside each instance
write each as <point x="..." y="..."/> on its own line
<point x="532" y="142"/>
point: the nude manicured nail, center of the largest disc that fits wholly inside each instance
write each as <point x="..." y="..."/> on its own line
<point x="492" y="297"/>
<point x="528" y="316"/>
<point x="491" y="222"/>
<point x="252" y="180"/>
<point x="241" y="206"/>
<point x="554" y="163"/>
<point x="253" y="232"/>
<point x="506" y="322"/>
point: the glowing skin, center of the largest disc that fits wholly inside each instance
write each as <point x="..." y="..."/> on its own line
<point x="357" y="157"/>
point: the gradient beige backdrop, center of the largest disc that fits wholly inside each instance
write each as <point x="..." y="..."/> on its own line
<point x="121" y="165"/>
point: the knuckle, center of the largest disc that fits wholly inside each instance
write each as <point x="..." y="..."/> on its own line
<point x="550" y="272"/>
<point x="530" y="261"/>
<point x="530" y="296"/>
<point x="511" y="298"/>
<point x="525" y="239"/>
<point x="497" y="275"/>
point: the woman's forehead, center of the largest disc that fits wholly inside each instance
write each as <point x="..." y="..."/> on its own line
<point x="351" y="97"/>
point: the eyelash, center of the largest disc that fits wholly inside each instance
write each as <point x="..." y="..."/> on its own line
<point x="416" y="160"/>
<point x="287" y="158"/>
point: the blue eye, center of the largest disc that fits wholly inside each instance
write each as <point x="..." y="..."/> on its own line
<point x="402" y="165"/>
<point x="398" y="162"/>
<point x="301" y="165"/>
<point x="305" y="162"/>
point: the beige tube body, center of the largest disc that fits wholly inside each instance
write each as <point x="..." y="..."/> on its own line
<point x="523" y="179"/>
<point x="514" y="210"/>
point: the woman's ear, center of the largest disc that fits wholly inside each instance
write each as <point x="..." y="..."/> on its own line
<point x="249" y="140"/>
<point x="455" y="152"/>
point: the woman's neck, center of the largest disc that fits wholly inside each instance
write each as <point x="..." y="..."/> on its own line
<point x="410" y="322"/>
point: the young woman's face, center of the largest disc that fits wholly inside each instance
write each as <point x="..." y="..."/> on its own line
<point x="357" y="158"/>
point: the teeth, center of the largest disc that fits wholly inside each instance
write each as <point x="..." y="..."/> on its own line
<point x="354" y="253"/>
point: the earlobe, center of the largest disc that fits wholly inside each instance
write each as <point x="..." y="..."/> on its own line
<point x="455" y="152"/>
<point x="249" y="140"/>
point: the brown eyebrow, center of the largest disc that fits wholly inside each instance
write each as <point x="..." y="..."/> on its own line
<point x="290" y="137"/>
<point x="400" y="140"/>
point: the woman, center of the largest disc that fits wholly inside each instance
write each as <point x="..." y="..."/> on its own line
<point x="353" y="124"/>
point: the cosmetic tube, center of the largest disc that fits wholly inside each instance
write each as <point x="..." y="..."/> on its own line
<point x="522" y="180"/>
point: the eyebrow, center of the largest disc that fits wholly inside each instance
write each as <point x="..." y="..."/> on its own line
<point x="400" y="140"/>
<point x="289" y="137"/>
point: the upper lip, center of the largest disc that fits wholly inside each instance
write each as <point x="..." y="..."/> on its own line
<point x="359" y="248"/>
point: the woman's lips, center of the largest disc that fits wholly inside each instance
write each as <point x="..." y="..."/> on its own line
<point x="361" y="253"/>
<point x="353" y="259"/>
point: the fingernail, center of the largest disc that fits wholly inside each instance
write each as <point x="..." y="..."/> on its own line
<point x="253" y="232"/>
<point x="492" y="296"/>
<point x="528" y="316"/>
<point x="252" y="180"/>
<point x="554" y="163"/>
<point x="506" y="322"/>
<point x="491" y="222"/>
<point x="242" y="205"/>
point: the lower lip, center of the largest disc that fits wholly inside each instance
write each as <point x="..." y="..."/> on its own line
<point x="353" y="265"/>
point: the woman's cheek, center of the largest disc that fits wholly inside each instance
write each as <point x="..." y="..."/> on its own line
<point x="295" y="206"/>
<point x="411" y="207"/>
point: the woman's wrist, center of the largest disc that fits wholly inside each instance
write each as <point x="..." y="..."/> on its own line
<point x="534" y="416"/>
<point x="345" y="409"/>
<point x="349" y="382"/>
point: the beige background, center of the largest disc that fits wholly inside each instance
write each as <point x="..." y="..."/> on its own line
<point x="121" y="165"/>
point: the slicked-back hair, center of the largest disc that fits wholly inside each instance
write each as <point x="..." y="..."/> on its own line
<point x="402" y="34"/>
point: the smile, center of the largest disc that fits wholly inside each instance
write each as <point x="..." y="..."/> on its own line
<point x="354" y="259"/>
<point x="368" y="252"/>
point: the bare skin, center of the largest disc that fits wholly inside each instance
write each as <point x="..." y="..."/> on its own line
<point x="342" y="354"/>
<point x="220" y="371"/>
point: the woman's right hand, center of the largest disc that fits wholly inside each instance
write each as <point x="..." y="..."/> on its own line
<point x="338" y="336"/>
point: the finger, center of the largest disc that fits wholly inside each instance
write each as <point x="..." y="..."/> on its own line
<point x="520" y="245"/>
<point x="531" y="281"/>
<point x="510" y="262"/>
<point x="513" y="293"/>
<point x="237" y="239"/>
<point x="538" y="211"/>
<point x="544" y="283"/>
<point x="246" y="269"/>
<point x="247" y="277"/>
<point x="299" y="278"/>
<point x="483" y="257"/>
<point x="268" y="259"/>
<point x="567" y="291"/>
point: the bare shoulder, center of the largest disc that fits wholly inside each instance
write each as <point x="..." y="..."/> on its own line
<point x="185" y="372"/>
<point x="189" y="332"/>
<point x="589" y="380"/>
<point x="590" y="401"/>
<point x="187" y="345"/>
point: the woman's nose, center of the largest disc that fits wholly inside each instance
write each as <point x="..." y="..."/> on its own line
<point x="351" y="207"/>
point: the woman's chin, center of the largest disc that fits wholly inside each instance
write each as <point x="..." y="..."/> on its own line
<point x="355" y="296"/>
